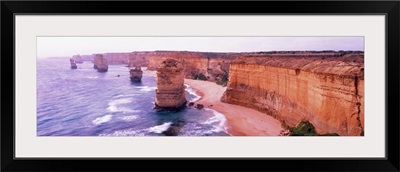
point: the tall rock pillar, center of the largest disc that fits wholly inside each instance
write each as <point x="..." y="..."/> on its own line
<point x="170" y="93"/>
<point x="100" y="63"/>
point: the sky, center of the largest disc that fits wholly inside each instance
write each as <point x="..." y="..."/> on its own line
<point x="69" y="46"/>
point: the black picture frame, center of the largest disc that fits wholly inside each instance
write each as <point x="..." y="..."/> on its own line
<point x="10" y="8"/>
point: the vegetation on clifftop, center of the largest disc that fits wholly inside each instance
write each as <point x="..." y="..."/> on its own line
<point x="305" y="128"/>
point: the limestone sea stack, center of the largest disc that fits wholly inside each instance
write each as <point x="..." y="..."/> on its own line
<point x="100" y="63"/>
<point x="77" y="58"/>
<point x="170" y="92"/>
<point x="73" y="64"/>
<point x="136" y="74"/>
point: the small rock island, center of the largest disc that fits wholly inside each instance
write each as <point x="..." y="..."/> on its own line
<point x="73" y="64"/>
<point x="170" y="92"/>
<point x="136" y="74"/>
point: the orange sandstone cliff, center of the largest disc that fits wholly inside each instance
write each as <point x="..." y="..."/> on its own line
<point x="214" y="66"/>
<point x="326" y="91"/>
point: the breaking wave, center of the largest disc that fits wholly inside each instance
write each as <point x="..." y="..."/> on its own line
<point x="160" y="128"/>
<point x="192" y="92"/>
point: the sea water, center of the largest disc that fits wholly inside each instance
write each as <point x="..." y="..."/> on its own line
<point x="84" y="102"/>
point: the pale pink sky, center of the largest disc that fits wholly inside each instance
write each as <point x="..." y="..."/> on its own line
<point x="68" y="46"/>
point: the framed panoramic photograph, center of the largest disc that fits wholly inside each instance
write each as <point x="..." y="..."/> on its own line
<point x="105" y="86"/>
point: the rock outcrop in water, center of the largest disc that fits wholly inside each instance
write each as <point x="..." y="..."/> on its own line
<point x="136" y="74"/>
<point x="77" y="58"/>
<point x="170" y="92"/>
<point x="326" y="91"/>
<point x="174" y="129"/>
<point x="213" y="66"/>
<point x="100" y="63"/>
<point x="73" y="64"/>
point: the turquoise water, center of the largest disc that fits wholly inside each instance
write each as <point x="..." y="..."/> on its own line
<point x="84" y="102"/>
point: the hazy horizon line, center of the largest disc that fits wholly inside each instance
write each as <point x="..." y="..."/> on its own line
<point x="198" y="52"/>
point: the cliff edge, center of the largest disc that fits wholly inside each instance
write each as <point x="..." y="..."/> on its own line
<point x="326" y="91"/>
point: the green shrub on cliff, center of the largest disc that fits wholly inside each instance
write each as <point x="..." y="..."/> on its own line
<point x="305" y="128"/>
<point x="224" y="81"/>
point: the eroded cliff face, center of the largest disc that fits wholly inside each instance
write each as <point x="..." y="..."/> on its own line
<point x="193" y="62"/>
<point x="116" y="58"/>
<point x="328" y="92"/>
<point x="170" y="92"/>
<point x="132" y="59"/>
<point x="138" y="59"/>
<point x="214" y="66"/>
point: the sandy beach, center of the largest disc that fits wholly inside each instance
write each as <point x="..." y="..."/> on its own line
<point x="241" y="121"/>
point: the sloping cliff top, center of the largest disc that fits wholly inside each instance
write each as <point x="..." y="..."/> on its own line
<point x="346" y="65"/>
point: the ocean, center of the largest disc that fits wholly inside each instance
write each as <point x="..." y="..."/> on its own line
<point x="84" y="102"/>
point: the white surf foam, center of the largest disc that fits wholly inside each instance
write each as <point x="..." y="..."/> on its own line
<point x="125" y="95"/>
<point x="102" y="119"/>
<point x="191" y="91"/>
<point x="121" y="101"/>
<point x="125" y="133"/>
<point x="113" y="106"/>
<point x="160" y="128"/>
<point x="129" y="118"/>
<point x="147" y="88"/>
<point x="218" y="119"/>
